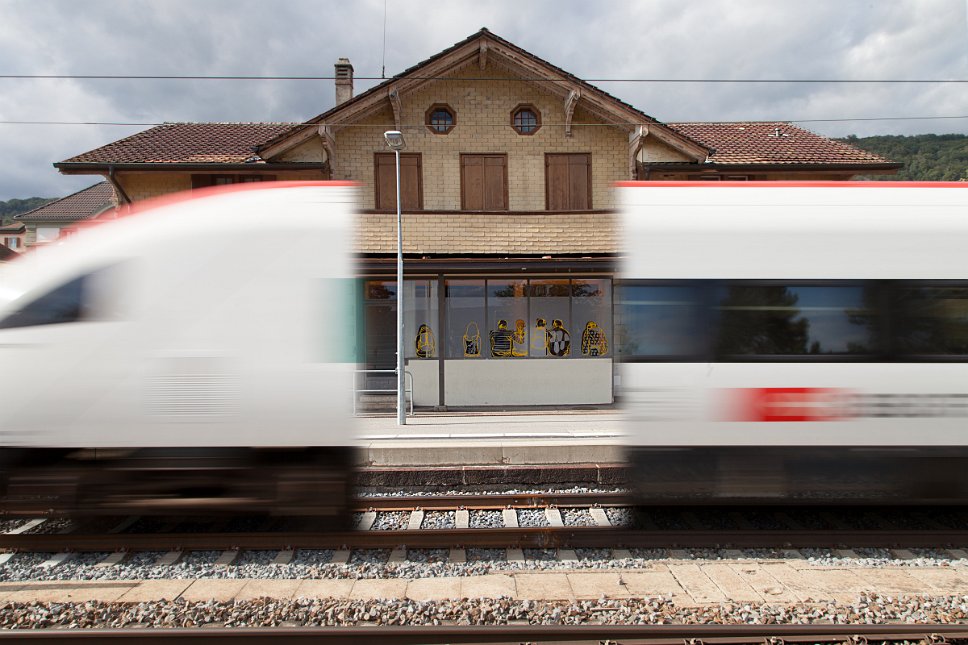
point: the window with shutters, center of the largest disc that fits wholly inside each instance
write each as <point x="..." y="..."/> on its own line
<point x="568" y="182"/>
<point x="484" y="182"/>
<point x="411" y="181"/>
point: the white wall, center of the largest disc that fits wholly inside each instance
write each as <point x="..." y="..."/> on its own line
<point x="472" y="382"/>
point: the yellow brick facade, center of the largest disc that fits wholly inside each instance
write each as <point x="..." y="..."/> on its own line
<point x="520" y="234"/>
<point x="483" y="116"/>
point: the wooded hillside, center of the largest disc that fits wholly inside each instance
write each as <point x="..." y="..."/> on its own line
<point x="13" y="207"/>
<point x="926" y="157"/>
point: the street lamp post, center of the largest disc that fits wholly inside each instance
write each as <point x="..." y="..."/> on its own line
<point x="395" y="141"/>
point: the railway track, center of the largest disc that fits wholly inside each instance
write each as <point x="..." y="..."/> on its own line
<point x="391" y="522"/>
<point x="933" y="634"/>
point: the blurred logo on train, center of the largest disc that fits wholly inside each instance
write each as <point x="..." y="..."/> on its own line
<point x="788" y="404"/>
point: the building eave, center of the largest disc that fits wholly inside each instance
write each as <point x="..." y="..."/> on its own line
<point x="88" y="168"/>
<point x="730" y="168"/>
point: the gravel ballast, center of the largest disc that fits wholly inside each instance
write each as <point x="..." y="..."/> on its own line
<point x="867" y="609"/>
<point x="430" y="563"/>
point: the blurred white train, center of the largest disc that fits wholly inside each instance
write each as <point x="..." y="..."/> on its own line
<point x="796" y="342"/>
<point x="196" y="354"/>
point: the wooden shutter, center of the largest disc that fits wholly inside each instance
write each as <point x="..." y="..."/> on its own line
<point x="568" y="179"/>
<point x="484" y="181"/>
<point x="385" y="181"/>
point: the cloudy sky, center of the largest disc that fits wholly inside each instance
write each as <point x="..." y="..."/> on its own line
<point x="644" y="39"/>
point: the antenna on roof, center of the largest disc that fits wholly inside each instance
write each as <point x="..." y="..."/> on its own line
<point x="383" y="69"/>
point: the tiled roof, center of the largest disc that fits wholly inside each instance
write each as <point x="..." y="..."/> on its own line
<point x="186" y="143"/>
<point x="14" y="228"/>
<point x="772" y="143"/>
<point x="81" y="205"/>
<point x="381" y="88"/>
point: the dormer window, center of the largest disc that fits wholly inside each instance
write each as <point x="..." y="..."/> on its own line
<point x="441" y="118"/>
<point x="525" y="119"/>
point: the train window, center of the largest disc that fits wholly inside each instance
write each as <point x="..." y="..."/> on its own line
<point x="658" y="321"/>
<point x="933" y="320"/>
<point x="795" y="320"/>
<point x="64" y="304"/>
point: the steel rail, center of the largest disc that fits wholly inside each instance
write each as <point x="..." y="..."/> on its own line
<point x="514" y="634"/>
<point x="493" y="502"/>
<point x="538" y="538"/>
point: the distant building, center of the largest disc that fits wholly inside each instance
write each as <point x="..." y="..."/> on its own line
<point x="61" y="216"/>
<point x="509" y="231"/>
<point x="12" y="236"/>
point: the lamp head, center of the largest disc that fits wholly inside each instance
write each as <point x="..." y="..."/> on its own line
<point x="395" y="140"/>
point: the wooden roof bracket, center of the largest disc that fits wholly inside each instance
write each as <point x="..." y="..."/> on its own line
<point x="328" y="140"/>
<point x="570" y="102"/>
<point x="123" y="196"/>
<point x="396" y="104"/>
<point x="636" y="143"/>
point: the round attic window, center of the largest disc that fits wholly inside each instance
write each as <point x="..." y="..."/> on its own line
<point x="525" y="119"/>
<point x="440" y="118"/>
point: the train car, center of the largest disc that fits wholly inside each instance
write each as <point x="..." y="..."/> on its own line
<point x="796" y="342"/>
<point x="196" y="354"/>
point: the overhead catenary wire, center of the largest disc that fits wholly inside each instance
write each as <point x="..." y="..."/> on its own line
<point x="503" y="124"/>
<point x="535" y="79"/>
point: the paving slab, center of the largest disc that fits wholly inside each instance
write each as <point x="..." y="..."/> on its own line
<point x="492" y="585"/>
<point x="337" y="588"/>
<point x="697" y="584"/>
<point x="771" y="589"/>
<point x="815" y="584"/>
<point x="217" y="590"/>
<point x="434" y="589"/>
<point x="609" y="584"/>
<point x="730" y="583"/>
<point x="149" y="590"/>
<point x="940" y="580"/>
<point x="69" y="591"/>
<point x="889" y="581"/>
<point x="543" y="586"/>
<point x="659" y="583"/>
<point x="268" y="589"/>
<point x="370" y="588"/>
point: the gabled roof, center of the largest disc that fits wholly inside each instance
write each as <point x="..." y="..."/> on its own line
<point x="186" y="143"/>
<point x="13" y="228"/>
<point x="490" y="47"/>
<point x="81" y="205"/>
<point x="773" y="143"/>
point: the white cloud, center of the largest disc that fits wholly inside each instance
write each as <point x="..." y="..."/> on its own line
<point x="631" y="39"/>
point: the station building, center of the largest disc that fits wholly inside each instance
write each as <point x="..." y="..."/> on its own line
<point x="509" y="232"/>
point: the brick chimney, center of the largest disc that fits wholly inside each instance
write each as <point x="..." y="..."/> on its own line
<point x="344" y="80"/>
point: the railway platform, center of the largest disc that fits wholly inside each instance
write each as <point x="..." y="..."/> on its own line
<point x="495" y="447"/>
<point x="686" y="583"/>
